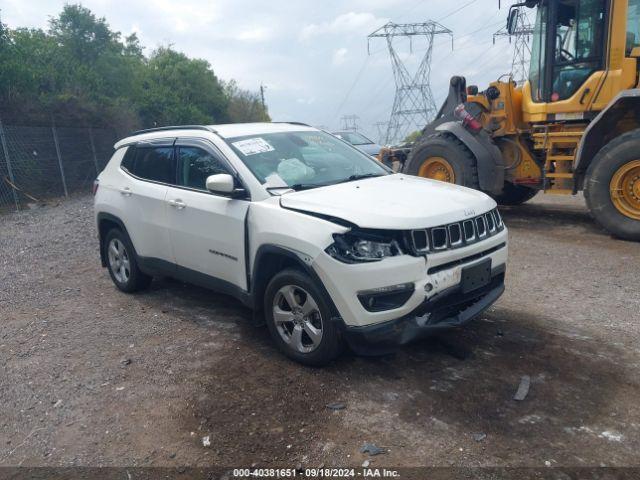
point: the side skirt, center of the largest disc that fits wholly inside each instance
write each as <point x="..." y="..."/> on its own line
<point x="156" y="266"/>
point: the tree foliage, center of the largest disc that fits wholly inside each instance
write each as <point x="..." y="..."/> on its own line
<point x="79" y="70"/>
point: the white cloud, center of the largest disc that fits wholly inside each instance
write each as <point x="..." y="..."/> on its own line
<point x="347" y="23"/>
<point x="254" y="34"/>
<point x="339" y="56"/>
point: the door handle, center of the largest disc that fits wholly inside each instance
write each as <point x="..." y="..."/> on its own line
<point x="126" y="191"/>
<point x="179" y="204"/>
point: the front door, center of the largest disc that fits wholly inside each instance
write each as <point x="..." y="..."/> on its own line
<point x="207" y="230"/>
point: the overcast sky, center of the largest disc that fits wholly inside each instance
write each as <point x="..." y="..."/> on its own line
<point x="311" y="55"/>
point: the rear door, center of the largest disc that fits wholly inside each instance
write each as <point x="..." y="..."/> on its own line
<point x="150" y="169"/>
<point x="207" y="229"/>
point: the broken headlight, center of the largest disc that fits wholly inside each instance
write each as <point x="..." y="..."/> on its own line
<point x="359" y="247"/>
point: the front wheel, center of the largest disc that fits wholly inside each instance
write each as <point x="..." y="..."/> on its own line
<point x="612" y="189"/>
<point x="299" y="319"/>
<point x="441" y="156"/>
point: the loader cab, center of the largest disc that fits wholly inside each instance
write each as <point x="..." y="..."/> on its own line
<point x="567" y="47"/>
<point x="581" y="56"/>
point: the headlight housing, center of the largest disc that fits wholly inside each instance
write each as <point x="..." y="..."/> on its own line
<point x="359" y="246"/>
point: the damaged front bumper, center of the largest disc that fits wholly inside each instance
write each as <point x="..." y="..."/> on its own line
<point x="450" y="308"/>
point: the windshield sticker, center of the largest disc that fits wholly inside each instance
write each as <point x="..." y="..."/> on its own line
<point x="252" y="146"/>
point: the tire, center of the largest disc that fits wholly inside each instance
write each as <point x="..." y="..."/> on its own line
<point x="289" y="321"/>
<point x="515" y="194"/>
<point x="120" y="253"/>
<point x="447" y="146"/>
<point x="614" y="155"/>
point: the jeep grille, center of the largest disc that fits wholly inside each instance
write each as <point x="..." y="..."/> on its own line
<point x="457" y="234"/>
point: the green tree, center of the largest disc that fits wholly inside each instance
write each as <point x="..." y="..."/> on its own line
<point x="244" y="105"/>
<point x="81" y="71"/>
<point x="412" y="137"/>
<point x="180" y="90"/>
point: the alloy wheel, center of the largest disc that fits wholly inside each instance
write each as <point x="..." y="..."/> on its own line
<point x="119" y="261"/>
<point x="297" y="318"/>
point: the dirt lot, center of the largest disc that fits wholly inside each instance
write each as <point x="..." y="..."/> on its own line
<point x="91" y="376"/>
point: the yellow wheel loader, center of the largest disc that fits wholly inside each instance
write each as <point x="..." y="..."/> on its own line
<point x="573" y="126"/>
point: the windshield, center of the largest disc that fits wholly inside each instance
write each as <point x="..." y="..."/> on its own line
<point x="304" y="159"/>
<point x="353" y="138"/>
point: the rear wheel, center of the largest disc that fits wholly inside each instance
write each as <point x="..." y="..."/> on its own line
<point x="443" y="157"/>
<point x="515" y="194"/>
<point x="122" y="263"/>
<point x="612" y="188"/>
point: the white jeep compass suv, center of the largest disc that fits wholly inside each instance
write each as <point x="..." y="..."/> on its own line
<point x="324" y="243"/>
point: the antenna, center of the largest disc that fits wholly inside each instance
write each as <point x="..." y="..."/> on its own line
<point x="413" y="106"/>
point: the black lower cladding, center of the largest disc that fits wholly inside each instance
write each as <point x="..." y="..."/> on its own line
<point x="451" y="308"/>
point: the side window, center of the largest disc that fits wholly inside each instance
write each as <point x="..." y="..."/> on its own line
<point x="195" y="165"/>
<point x="155" y="163"/>
<point x="127" y="160"/>
<point x="633" y="25"/>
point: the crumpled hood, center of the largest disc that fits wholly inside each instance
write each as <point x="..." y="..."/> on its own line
<point x="392" y="202"/>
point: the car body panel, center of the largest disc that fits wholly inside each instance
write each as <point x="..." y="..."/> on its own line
<point x="392" y="202"/>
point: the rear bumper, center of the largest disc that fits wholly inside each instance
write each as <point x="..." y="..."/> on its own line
<point x="450" y="308"/>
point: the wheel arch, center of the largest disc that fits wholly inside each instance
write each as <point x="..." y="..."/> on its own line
<point x="488" y="156"/>
<point x="271" y="259"/>
<point x="106" y="222"/>
<point x="622" y="115"/>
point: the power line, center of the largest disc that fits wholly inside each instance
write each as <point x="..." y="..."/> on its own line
<point x="355" y="81"/>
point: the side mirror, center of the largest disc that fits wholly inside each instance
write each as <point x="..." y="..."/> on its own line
<point x="512" y="20"/>
<point x="221" y="183"/>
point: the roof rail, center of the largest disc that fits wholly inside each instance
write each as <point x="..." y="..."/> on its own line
<point x="173" y="127"/>
<point x="295" y="123"/>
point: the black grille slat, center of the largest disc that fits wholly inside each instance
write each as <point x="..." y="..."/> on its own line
<point x="457" y="234"/>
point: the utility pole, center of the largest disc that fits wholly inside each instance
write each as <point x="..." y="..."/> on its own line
<point x="521" y="48"/>
<point x="350" y="122"/>
<point x="413" y="106"/>
<point x="262" y="89"/>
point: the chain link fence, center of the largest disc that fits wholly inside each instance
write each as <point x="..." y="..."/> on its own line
<point x="40" y="162"/>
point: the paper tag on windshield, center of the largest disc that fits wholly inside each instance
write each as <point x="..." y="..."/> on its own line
<point x="252" y="146"/>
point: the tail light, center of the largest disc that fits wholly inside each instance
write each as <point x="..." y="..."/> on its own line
<point x="468" y="120"/>
<point x="96" y="184"/>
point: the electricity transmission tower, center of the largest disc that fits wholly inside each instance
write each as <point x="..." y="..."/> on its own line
<point x="350" y="122"/>
<point x="381" y="128"/>
<point x="521" y="48"/>
<point x="413" y="105"/>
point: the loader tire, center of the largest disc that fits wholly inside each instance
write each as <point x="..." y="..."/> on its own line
<point x="515" y="195"/>
<point x="441" y="156"/>
<point x="612" y="186"/>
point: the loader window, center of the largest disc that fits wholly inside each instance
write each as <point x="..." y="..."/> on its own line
<point x="567" y="46"/>
<point x="538" y="53"/>
<point x="633" y="25"/>
<point x="579" y="42"/>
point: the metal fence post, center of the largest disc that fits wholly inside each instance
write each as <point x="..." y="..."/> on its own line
<point x="55" y="141"/>
<point x="93" y="150"/>
<point x="5" y="149"/>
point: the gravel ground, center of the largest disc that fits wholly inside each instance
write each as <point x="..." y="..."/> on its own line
<point x="94" y="377"/>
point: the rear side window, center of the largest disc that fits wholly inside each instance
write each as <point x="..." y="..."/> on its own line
<point x="196" y="165"/>
<point x="155" y="163"/>
<point x="127" y="160"/>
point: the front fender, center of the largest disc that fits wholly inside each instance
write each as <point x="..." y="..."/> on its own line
<point x="488" y="156"/>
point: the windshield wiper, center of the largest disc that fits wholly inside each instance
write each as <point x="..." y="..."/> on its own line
<point x="360" y="176"/>
<point x="305" y="186"/>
